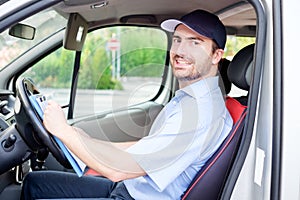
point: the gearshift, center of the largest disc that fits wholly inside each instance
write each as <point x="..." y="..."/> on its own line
<point x="40" y="158"/>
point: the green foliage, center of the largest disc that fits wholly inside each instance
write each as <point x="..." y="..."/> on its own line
<point x="140" y="47"/>
<point x="53" y="71"/>
<point x="234" y="44"/>
<point x="106" y="82"/>
<point x="134" y="63"/>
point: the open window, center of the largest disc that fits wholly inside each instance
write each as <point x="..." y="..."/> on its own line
<point x="120" y="66"/>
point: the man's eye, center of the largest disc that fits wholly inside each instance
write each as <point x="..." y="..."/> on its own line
<point x="176" y="40"/>
<point x="195" y="42"/>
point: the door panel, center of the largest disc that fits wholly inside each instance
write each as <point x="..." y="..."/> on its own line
<point x="123" y="125"/>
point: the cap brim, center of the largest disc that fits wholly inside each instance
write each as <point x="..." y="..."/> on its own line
<point x="170" y="24"/>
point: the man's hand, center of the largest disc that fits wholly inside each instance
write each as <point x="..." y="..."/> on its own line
<point x="54" y="119"/>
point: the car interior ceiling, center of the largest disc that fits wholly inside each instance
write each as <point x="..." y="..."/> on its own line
<point x="233" y="13"/>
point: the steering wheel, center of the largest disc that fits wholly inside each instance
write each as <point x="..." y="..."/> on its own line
<point x="29" y="123"/>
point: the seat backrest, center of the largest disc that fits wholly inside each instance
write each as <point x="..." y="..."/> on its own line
<point x="209" y="181"/>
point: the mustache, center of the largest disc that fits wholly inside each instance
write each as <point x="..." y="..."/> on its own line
<point x="183" y="57"/>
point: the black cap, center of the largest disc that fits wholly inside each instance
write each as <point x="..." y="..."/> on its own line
<point x="202" y="22"/>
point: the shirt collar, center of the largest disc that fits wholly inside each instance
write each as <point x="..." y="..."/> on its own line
<point x="200" y="88"/>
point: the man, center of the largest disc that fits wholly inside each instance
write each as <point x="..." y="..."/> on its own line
<point x="183" y="137"/>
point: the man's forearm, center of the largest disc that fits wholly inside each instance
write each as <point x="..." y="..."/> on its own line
<point x="109" y="159"/>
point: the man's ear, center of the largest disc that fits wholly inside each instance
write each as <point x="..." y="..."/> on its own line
<point x="217" y="56"/>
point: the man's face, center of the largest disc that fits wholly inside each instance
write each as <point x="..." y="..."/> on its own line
<point x="191" y="55"/>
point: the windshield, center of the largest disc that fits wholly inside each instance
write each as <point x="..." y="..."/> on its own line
<point x="46" y="23"/>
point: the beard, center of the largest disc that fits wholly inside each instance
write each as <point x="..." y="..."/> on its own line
<point x="191" y="77"/>
<point x="192" y="73"/>
<point x="196" y="70"/>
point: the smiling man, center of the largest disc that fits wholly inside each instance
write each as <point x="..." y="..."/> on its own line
<point x="192" y="56"/>
<point x="183" y="137"/>
<point x="197" y="47"/>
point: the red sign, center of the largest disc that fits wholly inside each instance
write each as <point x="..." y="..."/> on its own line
<point x="113" y="44"/>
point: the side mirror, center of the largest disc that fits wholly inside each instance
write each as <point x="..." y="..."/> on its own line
<point x="22" y="31"/>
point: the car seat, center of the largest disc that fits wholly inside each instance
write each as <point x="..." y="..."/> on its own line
<point x="224" y="82"/>
<point x="209" y="181"/>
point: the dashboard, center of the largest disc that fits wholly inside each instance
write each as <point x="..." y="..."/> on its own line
<point x="6" y="109"/>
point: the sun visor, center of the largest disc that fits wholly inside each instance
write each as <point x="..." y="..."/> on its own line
<point x="75" y="32"/>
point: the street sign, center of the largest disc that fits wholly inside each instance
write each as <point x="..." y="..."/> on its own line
<point x="113" y="44"/>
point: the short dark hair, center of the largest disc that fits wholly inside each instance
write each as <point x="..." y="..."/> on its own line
<point x="215" y="47"/>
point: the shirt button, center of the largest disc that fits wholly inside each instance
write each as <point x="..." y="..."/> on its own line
<point x="174" y="102"/>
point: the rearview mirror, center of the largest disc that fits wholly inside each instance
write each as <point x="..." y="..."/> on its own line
<point x="22" y="31"/>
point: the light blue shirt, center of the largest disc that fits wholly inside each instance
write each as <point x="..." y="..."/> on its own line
<point x="183" y="137"/>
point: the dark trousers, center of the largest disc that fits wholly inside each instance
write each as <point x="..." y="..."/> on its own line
<point x="50" y="184"/>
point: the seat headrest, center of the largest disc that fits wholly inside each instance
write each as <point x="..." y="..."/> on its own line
<point x="240" y="69"/>
<point x="224" y="82"/>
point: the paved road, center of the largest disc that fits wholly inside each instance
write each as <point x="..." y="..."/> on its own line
<point x="93" y="101"/>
